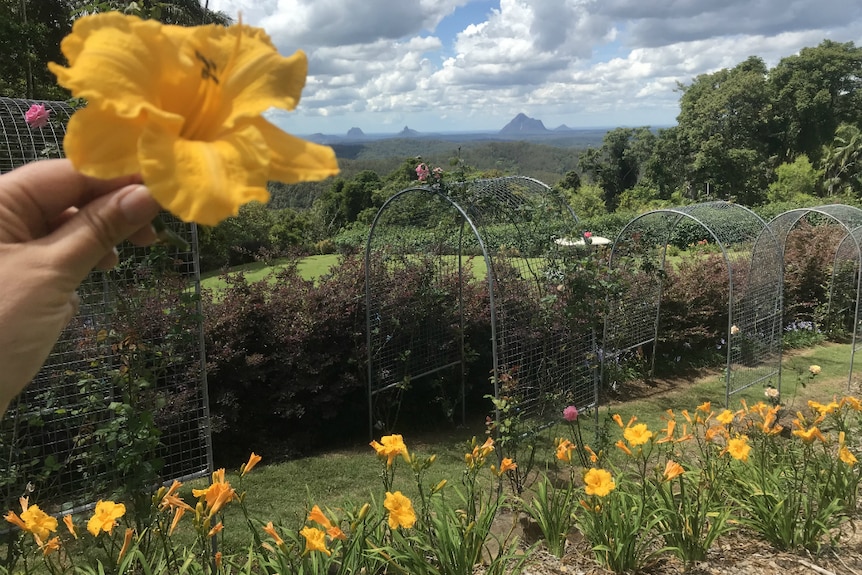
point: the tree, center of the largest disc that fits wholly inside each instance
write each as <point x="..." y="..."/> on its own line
<point x="617" y="165"/>
<point x="179" y="12"/>
<point x="842" y="161"/>
<point x="814" y="92"/>
<point x="794" y="179"/>
<point x="30" y="35"/>
<point x="724" y="123"/>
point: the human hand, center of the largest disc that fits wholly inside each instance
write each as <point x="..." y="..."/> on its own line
<point x="56" y="225"/>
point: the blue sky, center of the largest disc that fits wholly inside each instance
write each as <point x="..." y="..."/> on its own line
<point x="467" y="65"/>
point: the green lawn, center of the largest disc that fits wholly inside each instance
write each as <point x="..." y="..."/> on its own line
<point x="347" y="477"/>
<point x="311" y="267"/>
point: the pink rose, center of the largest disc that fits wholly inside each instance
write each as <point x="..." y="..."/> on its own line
<point x="438" y="173"/>
<point x="422" y="172"/>
<point x="37" y="116"/>
<point x="570" y="413"/>
<point x="588" y="235"/>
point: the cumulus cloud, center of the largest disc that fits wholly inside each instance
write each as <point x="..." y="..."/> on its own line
<point x="579" y="62"/>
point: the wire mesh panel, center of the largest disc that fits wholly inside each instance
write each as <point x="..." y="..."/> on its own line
<point x="121" y="401"/>
<point x="845" y="291"/>
<point x="751" y="260"/>
<point x="825" y="229"/>
<point x="487" y="241"/>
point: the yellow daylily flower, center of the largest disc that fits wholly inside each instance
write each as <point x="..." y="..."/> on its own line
<point x="315" y="540"/>
<point x="725" y="417"/>
<point x="810" y="434"/>
<point x="598" y="482"/>
<point x="183" y="107"/>
<point x="390" y="447"/>
<point x="637" y="434"/>
<point x="34" y="520"/>
<point x="51" y="546"/>
<point x="400" y="509"/>
<point x="738" y="448"/>
<point x="105" y="517"/>
<point x="846" y="456"/>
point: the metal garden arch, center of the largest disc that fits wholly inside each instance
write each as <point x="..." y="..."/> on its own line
<point x="752" y="259"/>
<point x="54" y="434"/>
<point x="847" y="255"/>
<point x="448" y="242"/>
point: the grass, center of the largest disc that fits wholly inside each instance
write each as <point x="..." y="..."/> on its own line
<point x="313" y="267"/>
<point x="347" y="478"/>
<point x="310" y="268"/>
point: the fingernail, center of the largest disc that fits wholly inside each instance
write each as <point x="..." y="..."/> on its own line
<point x="138" y="206"/>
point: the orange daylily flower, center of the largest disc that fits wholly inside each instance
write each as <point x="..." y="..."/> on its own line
<point x="127" y="541"/>
<point x="333" y="531"/>
<point x="564" y="450"/>
<point x="270" y="530"/>
<point x="253" y="460"/>
<point x="672" y="470"/>
<point x="218" y="494"/>
<point x="67" y="520"/>
<point x="623" y="447"/>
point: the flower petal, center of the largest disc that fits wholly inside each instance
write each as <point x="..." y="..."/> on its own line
<point x="119" y="51"/>
<point x="253" y="76"/>
<point x="293" y="159"/>
<point x="204" y="182"/>
<point x="102" y="144"/>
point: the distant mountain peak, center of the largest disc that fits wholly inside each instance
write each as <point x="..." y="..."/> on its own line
<point x="408" y="132"/>
<point x="523" y="124"/>
<point x="355" y="133"/>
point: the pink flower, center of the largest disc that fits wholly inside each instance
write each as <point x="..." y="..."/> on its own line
<point x="422" y="172"/>
<point x="438" y="173"/>
<point x="37" y="116"/>
<point x="570" y="413"/>
<point x="588" y="235"/>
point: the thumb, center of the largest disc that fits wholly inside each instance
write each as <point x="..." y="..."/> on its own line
<point x="82" y="241"/>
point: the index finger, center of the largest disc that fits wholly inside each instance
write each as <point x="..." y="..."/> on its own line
<point x="41" y="191"/>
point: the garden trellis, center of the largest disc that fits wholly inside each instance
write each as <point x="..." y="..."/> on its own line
<point x="844" y="285"/>
<point x="450" y="246"/>
<point x="751" y="257"/>
<point x="847" y="277"/>
<point x="121" y="402"/>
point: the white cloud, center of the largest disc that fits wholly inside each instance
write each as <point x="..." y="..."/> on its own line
<point x="579" y="62"/>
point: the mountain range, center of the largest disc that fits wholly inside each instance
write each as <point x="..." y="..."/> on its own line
<point x="519" y="127"/>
